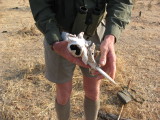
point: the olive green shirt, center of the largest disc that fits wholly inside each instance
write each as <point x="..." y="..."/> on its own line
<point x="51" y="14"/>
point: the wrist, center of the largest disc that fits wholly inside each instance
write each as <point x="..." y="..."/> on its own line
<point x="52" y="46"/>
<point x="109" y="38"/>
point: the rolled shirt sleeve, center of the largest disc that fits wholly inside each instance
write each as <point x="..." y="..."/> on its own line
<point x="118" y="16"/>
<point x="44" y="16"/>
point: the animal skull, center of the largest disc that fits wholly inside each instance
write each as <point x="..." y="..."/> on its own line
<point x="77" y="45"/>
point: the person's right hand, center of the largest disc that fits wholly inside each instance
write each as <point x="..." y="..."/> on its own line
<point x="108" y="57"/>
<point x="61" y="49"/>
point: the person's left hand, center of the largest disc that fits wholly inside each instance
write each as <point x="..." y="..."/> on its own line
<point x="61" y="49"/>
<point x="108" y="57"/>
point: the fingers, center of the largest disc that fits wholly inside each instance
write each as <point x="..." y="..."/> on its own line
<point x="78" y="61"/>
<point x="103" y="56"/>
<point x="112" y="70"/>
<point x="110" y="66"/>
<point x="111" y="63"/>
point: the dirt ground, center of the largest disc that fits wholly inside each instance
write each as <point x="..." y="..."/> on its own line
<point x="25" y="94"/>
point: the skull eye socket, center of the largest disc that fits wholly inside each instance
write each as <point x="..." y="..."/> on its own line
<point x="76" y="48"/>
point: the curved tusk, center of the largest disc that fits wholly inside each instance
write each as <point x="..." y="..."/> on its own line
<point x="105" y="74"/>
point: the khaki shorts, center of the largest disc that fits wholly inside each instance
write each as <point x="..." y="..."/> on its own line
<point x="60" y="70"/>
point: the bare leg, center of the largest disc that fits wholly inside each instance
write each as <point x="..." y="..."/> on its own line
<point x="62" y="102"/>
<point x="91" y="101"/>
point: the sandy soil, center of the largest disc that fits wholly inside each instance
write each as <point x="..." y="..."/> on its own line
<point x="26" y="94"/>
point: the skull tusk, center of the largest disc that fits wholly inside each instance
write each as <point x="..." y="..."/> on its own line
<point x="105" y="74"/>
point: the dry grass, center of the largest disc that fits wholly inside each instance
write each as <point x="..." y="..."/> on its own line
<point x="26" y="94"/>
<point x="150" y="5"/>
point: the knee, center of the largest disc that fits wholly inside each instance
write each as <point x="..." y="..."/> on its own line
<point x="91" y="87"/>
<point x="92" y="92"/>
<point x="63" y="94"/>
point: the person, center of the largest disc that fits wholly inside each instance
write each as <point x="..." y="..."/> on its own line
<point x="55" y="16"/>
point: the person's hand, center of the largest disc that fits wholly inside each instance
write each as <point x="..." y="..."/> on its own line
<point x="108" y="57"/>
<point x="61" y="49"/>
